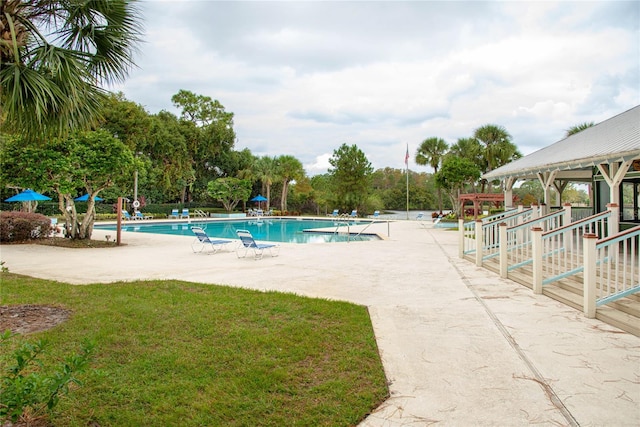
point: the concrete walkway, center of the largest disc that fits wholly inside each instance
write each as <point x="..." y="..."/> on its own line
<point x="460" y="345"/>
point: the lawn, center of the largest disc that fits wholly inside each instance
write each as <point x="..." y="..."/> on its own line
<point x="178" y="353"/>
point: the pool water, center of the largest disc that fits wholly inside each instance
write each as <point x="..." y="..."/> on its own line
<point x="266" y="229"/>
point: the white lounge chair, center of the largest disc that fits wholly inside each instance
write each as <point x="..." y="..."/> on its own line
<point x="248" y="243"/>
<point x="140" y="215"/>
<point x="203" y="240"/>
<point x="185" y="213"/>
<point x="335" y="213"/>
<point x="174" y="214"/>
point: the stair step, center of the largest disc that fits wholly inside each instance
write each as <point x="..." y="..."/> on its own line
<point x="619" y="319"/>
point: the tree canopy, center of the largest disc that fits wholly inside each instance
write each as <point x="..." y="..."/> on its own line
<point x="351" y="175"/>
<point x="51" y="83"/>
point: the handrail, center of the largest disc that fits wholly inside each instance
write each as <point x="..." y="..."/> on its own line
<point x="577" y="224"/>
<point x="536" y="220"/>
<point x="492" y="219"/>
<point x="618" y="237"/>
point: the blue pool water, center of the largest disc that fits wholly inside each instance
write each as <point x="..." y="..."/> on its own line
<point x="271" y="230"/>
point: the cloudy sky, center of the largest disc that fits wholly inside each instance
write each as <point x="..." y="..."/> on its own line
<point x="304" y="77"/>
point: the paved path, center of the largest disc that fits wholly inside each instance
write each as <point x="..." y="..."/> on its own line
<point x="460" y="345"/>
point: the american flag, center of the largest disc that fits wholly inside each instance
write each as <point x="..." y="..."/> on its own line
<point x="406" y="157"/>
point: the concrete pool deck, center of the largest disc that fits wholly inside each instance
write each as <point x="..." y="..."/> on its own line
<point x="460" y="345"/>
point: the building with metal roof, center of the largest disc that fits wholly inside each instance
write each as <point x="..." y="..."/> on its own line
<point x="606" y="155"/>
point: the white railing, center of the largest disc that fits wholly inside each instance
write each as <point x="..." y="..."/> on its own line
<point x="558" y="253"/>
<point x="467" y="231"/>
<point x="516" y="248"/>
<point x="612" y="269"/>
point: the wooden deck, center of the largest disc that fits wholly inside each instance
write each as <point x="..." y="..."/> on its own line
<point x="623" y="314"/>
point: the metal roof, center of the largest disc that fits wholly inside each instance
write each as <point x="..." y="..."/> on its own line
<point x="613" y="140"/>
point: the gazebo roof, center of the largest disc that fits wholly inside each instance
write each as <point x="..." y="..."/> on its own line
<point x="613" y="140"/>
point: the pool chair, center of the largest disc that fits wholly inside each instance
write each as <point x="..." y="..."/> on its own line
<point x="335" y="213"/>
<point x="248" y="243"/>
<point x="127" y="216"/>
<point x="421" y="218"/>
<point x="185" y="213"/>
<point x="353" y="214"/>
<point x="203" y="241"/>
<point x="376" y="214"/>
<point x="140" y="215"/>
<point x="174" y="214"/>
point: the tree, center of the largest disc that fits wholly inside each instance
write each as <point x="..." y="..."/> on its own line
<point x="454" y="174"/>
<point x="288" y="169"/>
<point x="431" y="152"/>
<point x="209" y="134"/>
<point x="85" y="161"/>
<point x="265" y="172"/>
<point x="229" y="191"/>
<point x="351" y="174"/>
<point x="51" y="83"/>
<point x="497" y="148"/>
<point x="578" y="128"/>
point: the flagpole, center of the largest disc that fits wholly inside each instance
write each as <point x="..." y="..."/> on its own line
<point x="406" y="161"/>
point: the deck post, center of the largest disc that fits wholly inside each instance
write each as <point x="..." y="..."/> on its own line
<point x="504" y="248"/>
<point x="534" y="211"/>
<point x="536" y="237"/>
<point x="567" y="214"/>
<point x="479" y="242"/>
<point x="589" y="275"/>
<point x="461" y="237"/>
<point x="520" y="208"/>
<point x="614" y="220"/>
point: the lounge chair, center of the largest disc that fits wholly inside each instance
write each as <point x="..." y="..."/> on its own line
<point x="185" y="213"/>
<point x="174" y="214"/>
<point x="353" y="214"/>
<point x="335" y="213"/>
<point x="140" y="215"/>
<point x="202" y="241"/>
<point x="247" y="242"/>
<point x="127" y="216"/>
<point x="376" y="214"/>
<point x="259" y="212"/>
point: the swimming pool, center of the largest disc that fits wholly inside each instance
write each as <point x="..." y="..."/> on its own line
<point x="268" y="229"/>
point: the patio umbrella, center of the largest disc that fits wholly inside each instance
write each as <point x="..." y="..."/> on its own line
<point x="259" y="198"/>
<point x="27" y="195"/>
<point x="86" y="198"/>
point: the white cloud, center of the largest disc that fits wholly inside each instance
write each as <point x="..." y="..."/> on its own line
<point x="304" y="77"/>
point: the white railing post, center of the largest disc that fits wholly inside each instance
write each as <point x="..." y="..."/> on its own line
<point x="504" y="250"/>
<point x="520" y="208"/>
<point x="567" y="214"/>
<point x="589" y="275"/>
<point x="479" y="242"/>
<point x="536" y="254"/>
<point x="461" y="237"/>
<point x="534" y="211"/>
<point x="614" y="220"/>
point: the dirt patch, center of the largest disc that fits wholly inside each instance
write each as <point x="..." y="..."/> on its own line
<point x="24" y="319"/>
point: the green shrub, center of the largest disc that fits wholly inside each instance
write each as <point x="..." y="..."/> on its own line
<point x="18" y="226"/>
<point x="25" y="389"/>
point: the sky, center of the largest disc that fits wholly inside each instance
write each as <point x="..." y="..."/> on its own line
<point x="304" y="77"/>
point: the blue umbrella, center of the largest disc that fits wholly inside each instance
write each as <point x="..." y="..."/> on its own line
<point x="86" y="198"/>
<point x="259" y="198"/>
<point x="28" y="195"/>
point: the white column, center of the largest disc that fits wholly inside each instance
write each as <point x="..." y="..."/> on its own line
<point x="613" y="175"/>
<point x="536" y="237"/>
<point x="567" y="214"/>
<point x="461" y="237"/>
<point x="479" y="242"/>
<point x="614" y="221"/>
<point x="508" y="192"/>
<point x="589" y="274"/>
<point x="504" y="247"/>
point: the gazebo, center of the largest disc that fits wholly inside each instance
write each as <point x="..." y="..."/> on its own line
<point x="477" y="199"/>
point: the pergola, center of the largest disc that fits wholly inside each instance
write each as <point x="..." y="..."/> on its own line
<point x="477" y="199"/>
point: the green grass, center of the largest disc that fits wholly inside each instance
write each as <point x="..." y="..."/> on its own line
<point x="178" y="353"/>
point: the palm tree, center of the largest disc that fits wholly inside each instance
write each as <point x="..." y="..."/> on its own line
<point x="498" y="149"/>
<point x="50" y="83"/>
<point x="265" y="172"/>
<point x="288" y="169"/>
<point x="431" y="152"/>
<point x="578" y="128"/>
